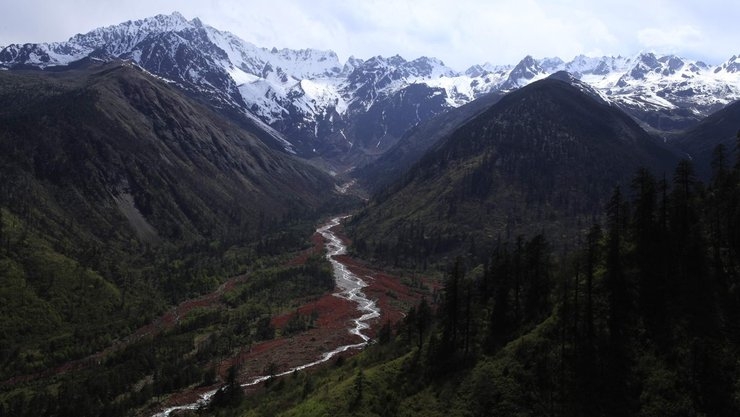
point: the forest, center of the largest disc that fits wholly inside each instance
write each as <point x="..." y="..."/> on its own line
<point x="640" y="319"/>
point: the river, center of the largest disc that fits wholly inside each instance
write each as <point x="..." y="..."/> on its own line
<point x="348" y="286"/>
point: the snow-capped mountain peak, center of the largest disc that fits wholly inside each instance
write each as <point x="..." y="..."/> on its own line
<point x="730" y="66"/>
<point x="430" y="68"/>
<point x="310" y="96"/>
<point x="526" y="71"/>
<point x="551" y="64"/>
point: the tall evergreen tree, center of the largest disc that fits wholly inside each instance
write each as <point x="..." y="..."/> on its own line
<point x="617" y="371"/>
<point x="646" y="235"/>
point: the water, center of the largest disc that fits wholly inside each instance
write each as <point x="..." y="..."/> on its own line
<point x="349" y="287"/>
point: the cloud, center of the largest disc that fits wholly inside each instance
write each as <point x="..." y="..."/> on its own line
<point x="670" y="39"/>
<point x="461" y="33"/>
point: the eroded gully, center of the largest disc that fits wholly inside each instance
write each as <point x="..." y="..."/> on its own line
<point x="349" y="286"/>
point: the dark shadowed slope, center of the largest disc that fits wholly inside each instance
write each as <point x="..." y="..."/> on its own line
<point x="111" y="141"/>
<point x="700" y="141"/>
<point x="416" y="141"/>
<point x="544" y="158"/>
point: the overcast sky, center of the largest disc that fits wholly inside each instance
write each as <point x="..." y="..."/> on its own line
<point x="459" y="32"/>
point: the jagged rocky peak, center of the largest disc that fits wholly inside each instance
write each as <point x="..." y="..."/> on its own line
<point x="607" y="65"/>
<point x="430" y="68"/>
<point x="671" y="64"/>
<point x="476" y="71"/>
<point x="526" y="70"/>
<point x="375" y="63"/>
<point x="308" y="55"/>
<point x="131" y="32"/>
<point x="644" y="63"/>
<point x="485" y="69"/>
<point x="351" y="64"/>
<point x="307" y="63"/>
<point x="582" y="65"/>
<point x="396" y="60"/>
<point x="373" y="69"/>
<point x="112" y="40"/>
<point x="551" y="64"/>
<point x="731" y="66"/>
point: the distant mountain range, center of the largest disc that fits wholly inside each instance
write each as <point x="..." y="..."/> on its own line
<point x="320" y="105"/>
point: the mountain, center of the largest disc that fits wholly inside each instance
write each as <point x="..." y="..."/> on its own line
<point x="699" y="142"/>
<point x="410" y="148"/>
<point x="122" y="195"/>
<point x="317" y="106"/>
<point x="543" y="158"/>
<point x="307" y="95"/>
<point x="207" y="63"/>
<point x="124" y="139"/>
<point x="526" y="71"/>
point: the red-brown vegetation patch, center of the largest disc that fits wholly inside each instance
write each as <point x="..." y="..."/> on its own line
<point x="391" y="294"/>
<point x="186" y="397"/>
<point x="334" y="319"/>
<point x="331" y="330"/>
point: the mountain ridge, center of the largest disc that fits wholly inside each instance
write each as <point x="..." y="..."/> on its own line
<point x="84" y="110"/>
<point x="311" y="97"/>
<point x="542" y="159"/>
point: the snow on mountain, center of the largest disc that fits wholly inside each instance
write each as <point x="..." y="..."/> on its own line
<point x="487" y="68"/>
<point x="525" y="72"/>
<point x="551" y="65"/>
<point x="119" y="39"/>
<point x="309" y="94"/>
<point x="584" y="87"/>
<point x="43" y="55"/>
<point x="731" y="66"/>
<point x="111" y="40"/>
<point x="351" y="64"/>
<point x="583" y="66"/>
<point x="654" y="83"/>
<point x="301" y="64"/>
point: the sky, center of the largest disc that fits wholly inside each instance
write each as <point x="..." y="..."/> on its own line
<point x="459" y="32"/>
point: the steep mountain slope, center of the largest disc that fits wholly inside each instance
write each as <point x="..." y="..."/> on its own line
<point x="416" y="141"/>
<point x="540" y="159"/>
<point x="700" y="141"/>
<point x="120" y="194"/>
<point x="113" y="132"/>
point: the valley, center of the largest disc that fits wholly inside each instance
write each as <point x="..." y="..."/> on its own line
<point x="194" y="225"/>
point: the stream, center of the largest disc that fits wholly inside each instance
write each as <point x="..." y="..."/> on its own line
<point x="349" y="286"/>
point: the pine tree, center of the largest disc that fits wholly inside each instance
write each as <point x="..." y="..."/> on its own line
<point x="357" y="388"/>
<point x="646" y="235"/>
<point x="593" y="254"/>
<point x="452" y="305"/>
<point x="618" y="302"/>
<point x="615" y="281"/>
<point x="423" y="318"/>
